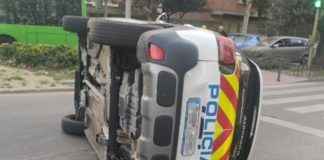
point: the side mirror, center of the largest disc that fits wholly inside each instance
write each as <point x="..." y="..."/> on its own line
<point x="275" y="45"/>
<point x="163" y="17"/>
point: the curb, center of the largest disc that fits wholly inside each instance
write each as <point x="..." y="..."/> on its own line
<point x="36" y="90"/>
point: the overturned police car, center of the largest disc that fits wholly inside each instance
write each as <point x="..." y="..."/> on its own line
<point x="158" y="91"/>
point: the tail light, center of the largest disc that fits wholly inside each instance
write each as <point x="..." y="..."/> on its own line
<point x="155" y="52"/>
<point x="227" y="54"/>
<point x="226" y="50"/>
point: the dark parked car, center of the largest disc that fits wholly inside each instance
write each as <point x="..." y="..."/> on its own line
<point x="295" y="49"/>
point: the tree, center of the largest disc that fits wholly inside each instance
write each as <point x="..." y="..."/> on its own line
<point x="247" y="12"/>
<point x="148" y="6"/>
<point x="169" y="6"/>
<point x="288" y="14"/>
<point x="182" y="6"/>
<point x="260" y="5"/>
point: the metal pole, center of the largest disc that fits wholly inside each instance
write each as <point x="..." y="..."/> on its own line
<point x="106" y="8"/>
<point x="313" y="38"/>
<point x="128" y="9"/>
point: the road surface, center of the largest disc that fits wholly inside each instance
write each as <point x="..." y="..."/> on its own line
<point x="31" y="128"/>
<point x="291" y="128"/>
<point x="292" y="123"/>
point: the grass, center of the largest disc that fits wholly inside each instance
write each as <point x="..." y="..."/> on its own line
<point x="43" y="82"/>
<point x="57" y="74"/>
<point x="14" y="78"/>
<point x="20" y="77"/>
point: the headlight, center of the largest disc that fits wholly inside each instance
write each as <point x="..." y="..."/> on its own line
<point x="191" y="127"/>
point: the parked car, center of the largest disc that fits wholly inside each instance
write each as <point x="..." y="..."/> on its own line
<point x="154" y="91"/>
<point x="244" y="40"/>
<point x="294" y="49"/>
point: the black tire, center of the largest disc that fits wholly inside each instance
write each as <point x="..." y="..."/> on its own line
<point x="117" y="31"/>
<point x="6" y="39"/>
<point x="72" y="126"/>
<point x="75" y="24"/>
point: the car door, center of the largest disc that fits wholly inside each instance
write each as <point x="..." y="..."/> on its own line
<point x="280" y="48"/>
<point x="240" y="41"/>
<point x="298" y="47"/>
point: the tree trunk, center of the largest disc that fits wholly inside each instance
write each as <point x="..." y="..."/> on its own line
<point x="247" y="13"/>
<point x="319" y="57"/>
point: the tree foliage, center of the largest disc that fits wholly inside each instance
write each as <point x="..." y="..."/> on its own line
<point x="169" y="6"/>
<point x="287" y="14"/>
<point x="37" y="12"/>
<point x="182" y="6"/>
<point x="261" y="6"/>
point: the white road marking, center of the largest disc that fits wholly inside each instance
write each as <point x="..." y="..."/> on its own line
<point x="292" y="85"/>
<point x="307" y="109"/>
<point x="289" y="91"/>
<point x="294" y="126"/>
<point x="278" y="101"/>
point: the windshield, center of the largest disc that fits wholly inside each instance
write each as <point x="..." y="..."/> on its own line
<point x="268" y="41"/>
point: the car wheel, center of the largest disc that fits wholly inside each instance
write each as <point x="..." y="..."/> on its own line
<point x="71" y="125"/>
<point x="118" y="31"/>
<point x="75" y="24"/>
<point x="6" y="39"/>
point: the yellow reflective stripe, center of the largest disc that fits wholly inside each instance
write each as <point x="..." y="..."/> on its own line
<point x="218" y="130"/>
<point x="224" y="147"/>
<point x="233" y="81"/>
<point x="227" y="107"/>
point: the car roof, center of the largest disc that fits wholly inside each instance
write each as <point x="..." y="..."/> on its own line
<point x="283" y="37"/>
<point x="243" y="34"/>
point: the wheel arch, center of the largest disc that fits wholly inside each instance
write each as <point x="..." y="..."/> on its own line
<point x="7" y="35"/>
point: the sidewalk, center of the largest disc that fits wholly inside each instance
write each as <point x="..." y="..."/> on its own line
<point x="270" y="78"/>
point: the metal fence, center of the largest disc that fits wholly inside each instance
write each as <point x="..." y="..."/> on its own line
<point x="312" y="73"/>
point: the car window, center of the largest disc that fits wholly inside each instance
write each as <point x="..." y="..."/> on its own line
<point x="268" y="41"/>
<point x="296" y="42"/>
<point x="283" y="43"/>
<point x="248" y="38"/>
<point x="240" y="38"/>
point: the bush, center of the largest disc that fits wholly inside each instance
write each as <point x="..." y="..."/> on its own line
<point x="266" y="61"/>
<point x="39" y="55"/>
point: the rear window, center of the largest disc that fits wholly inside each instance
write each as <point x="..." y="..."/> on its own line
<point x="295" y="42"/>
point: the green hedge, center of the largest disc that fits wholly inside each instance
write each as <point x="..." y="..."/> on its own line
<point x="266" y="61"/>
<point x="39" y="55"/>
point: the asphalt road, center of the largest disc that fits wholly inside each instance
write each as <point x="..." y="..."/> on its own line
<point x="291" y="126"/>
<point x="31" y="128"/>
<point x="292" y="123"/>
